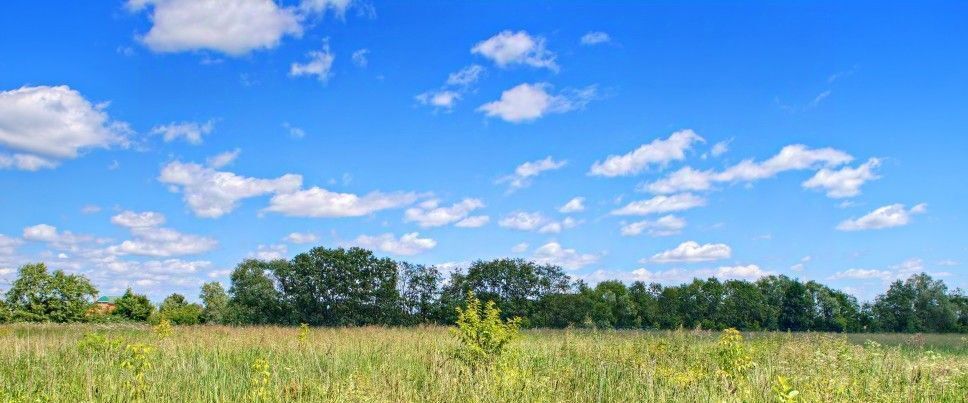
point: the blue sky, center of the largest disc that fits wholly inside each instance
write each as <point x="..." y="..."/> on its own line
<point x="157" y="143"/>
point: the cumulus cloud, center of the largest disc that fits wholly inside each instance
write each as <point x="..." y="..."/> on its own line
<point x="233" y="27"/>
<point x="528" y="102"/>
<point x="535" y="221"/>
<point x="270" y="252"/>
<point x="473" y="222"/>
<point x="665" y="226"/>
<point x="659" y="152"/>
<point x="320" y="64"/>
<point x="520" y="248"/>
<point x="319" y="202"/>
<point x="742" y="272"/>
<point x="894" y="215"/>
<point x="526" y="172"/>
<point x="510" y="48"/>
<point x="407" y="245"/>
<point x="845" y="182"/>
<point x="552" y="253"/>
<point x="192" y="132"/>
<point x="661" y="204"/>
<point x="210" y="193"/>
<point x="431" y="214"/>
<point x="791" y="157"/>
<point x="148" y="239"/>
<point x="63" y="240"/>
<point x="45" y="125"/>
<point x="595" y="38"/>
<point x="301" y="238"/>
<point x="8" y="245"/>
<point x="130" y="219"/>
<point x="440" y="99"/>
<point x="692" y="251"/>
<point x="574" y="205"/>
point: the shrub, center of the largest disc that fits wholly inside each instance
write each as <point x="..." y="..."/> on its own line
<point x="133" y="306"/>
<point x="482" y="334"/>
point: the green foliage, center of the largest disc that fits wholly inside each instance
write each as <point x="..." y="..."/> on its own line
<point x="176" y="309"/>
<point x="95" y="342"/>
<point x="39" y="296"/>
<point x="260" y="379"/>
<point x="253" y="296"/>
<point x="783" y="391"/>
<point x="216" y="303"/>
<point x="732" y="356"/>
<point x="131" y="306"/>
<point x="339" y="287"/>
<point x="483" y="336"/>
<point x="138" y="359"/>
<point x="164" y="329"/>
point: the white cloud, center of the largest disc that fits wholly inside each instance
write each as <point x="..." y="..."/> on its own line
<point x="233" y="27"/>
<point x="338" y="7"/>
<point x="319" y="202"/>
<point x="151" y="240"/>
<point x="791" y="157"/>
<point x="90" y="209"/>
<point x="748" y="272"/>
<point x="899" y="271"/>
<point x="520" y="248"/>
<point x="49" y="124"/>
<point x="442" y="99"/>
<point x="222" y="159"/>
<point x="802" y="264"/>
<point x="301" y="238"/>
<point x="528" y="102"/>
<point x="555" y="227"/>
<point x="130" y="219"/>
<point x="845" y="182"/>
<point x="320" y="64"/>
<point x="430" y="214"/>
<point x="359" y="57"/>
<point x="665" y="226"/>
<point x="894" y="215"/>
<point x="574" y="205"/>
<point x="466" y="76"/>
<point x="270" y="252"/>
<point x="407" y="245"/>
<point x="473" y="221"/>
<point x="659" y="152"/>
<point x="552" y="253"/>
<point x="192" y="132"/>
<point x="719" y="148"/>
<point x="8" y="245"/>
<point x="595" y="38"/>
<point x="524" y="173"/>
<point x="525" y="221"/>
<point x="661" y="204"/>
<point x="692" y="251"/>
<point x="210" y="193"/>
<point x="65" y="240"/>
<point x="509" y="48"/>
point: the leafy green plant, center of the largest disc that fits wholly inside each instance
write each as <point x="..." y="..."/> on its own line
<point x="164" y="329"/>
<point x="483" y="336"/>
<point x="260" y="379"/>
<point x="733" y="358"/>
<point x="303" y="333"/>
<point x="783" y="391"/>
<point x="137" y="361"/>
<point x="98" y="342"/>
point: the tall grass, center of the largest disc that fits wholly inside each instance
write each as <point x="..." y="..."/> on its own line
<point x="121" y="363"/>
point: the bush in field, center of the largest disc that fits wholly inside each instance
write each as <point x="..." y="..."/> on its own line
<point x="133" y="306"/>
<point x="482" y="334"/>
<point x="40" y="296"/>
<point x="176" y="309"/>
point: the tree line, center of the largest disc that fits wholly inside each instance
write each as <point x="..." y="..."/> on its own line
<point x="353" y="287"/>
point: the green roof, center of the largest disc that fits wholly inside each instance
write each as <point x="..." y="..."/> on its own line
<point x="108" y="299"/>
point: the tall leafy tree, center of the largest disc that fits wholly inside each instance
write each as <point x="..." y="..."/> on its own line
<point x="420" y="291"/>
<point x="133" y="306"/>
<point x="253" y="297"/>
<point x="797" y="308"/>
<point x="341" y="287"/>
<point x="38" y="295"/>
<point x="216" y="303"/>
<point x="179" y="311"/>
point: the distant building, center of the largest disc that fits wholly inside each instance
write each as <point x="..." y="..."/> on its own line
<point x="105" y="304"/>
